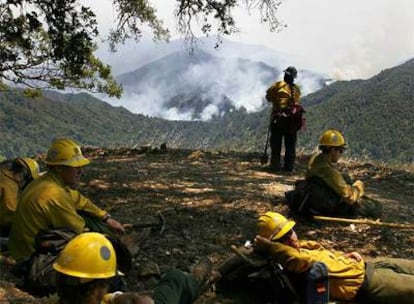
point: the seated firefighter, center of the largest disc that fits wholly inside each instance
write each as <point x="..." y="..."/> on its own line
<point x="15" y="175"/>
<point x="88" y="262"/>
<point x="50" y="203"/>
<point x="326" y="190"/>
<point x="351" y="278"/>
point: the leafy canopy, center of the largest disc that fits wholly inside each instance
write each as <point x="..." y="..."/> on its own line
<point x="51" y="43"/>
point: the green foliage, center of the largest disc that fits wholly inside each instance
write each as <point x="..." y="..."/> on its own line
<point x="131" y="16"/>
<point x="29" y="126"/>
<point x="33" y="93"/>
<point x="375" y="115"/>
<point x="50" y="44"/>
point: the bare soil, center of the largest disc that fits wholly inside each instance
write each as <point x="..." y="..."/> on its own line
<point x="210" y="200"/>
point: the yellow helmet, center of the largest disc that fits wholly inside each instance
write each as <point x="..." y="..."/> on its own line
<point x="273" y="225"/>
<point x="89" y="255"/>
<point x="65" y="152"/>
<point x="30" y="165"/>
<point x="332" y="138"/>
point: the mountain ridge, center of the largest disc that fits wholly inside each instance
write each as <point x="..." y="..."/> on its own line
<point x="240" y="80"/>
<point x="210" y="77"/>
<point x="375" y="116"/>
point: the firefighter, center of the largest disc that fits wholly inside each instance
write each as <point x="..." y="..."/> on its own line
<point x="286" y="119"/>
<point x="15" y="175"/>
<point x="351" y="277"/>
<point x="87" y="263"/>
<point x="51" y="202"/>
<point x="346" y="199"/>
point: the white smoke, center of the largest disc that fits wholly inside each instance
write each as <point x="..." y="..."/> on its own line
<point x="243" y="82"/>
<point x="390" y="42"/>
<point x="209" y="111"/>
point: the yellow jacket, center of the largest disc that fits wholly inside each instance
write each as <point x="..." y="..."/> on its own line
<point x="320" y="166"/>
<point x="281" y="95"/>
<point x="345" y="274"/>
<point x="9" y="192"/>
<point x="47" y="203"/>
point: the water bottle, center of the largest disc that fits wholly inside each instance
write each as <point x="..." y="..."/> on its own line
<point x="317" y="284"/>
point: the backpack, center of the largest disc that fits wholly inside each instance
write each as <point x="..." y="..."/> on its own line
<point x="296" y="117"/>
<point x="313" y="196"/>
<point x="40" y="277"/>
<point x="263" y="281"/>
<point x="288" y="115"/>
<point x="269" y="283"/>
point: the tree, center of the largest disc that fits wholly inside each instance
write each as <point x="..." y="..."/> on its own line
<point x="204" y="12"/>
<point x="51" y="43"/>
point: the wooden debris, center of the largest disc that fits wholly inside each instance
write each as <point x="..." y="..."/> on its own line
<point x="364" y="221"/>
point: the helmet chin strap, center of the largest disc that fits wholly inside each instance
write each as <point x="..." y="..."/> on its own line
<point x="26" y="179"/>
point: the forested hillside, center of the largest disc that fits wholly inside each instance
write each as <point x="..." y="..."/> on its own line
<point x="375" y="115"/>
<point x="29" y="125"/>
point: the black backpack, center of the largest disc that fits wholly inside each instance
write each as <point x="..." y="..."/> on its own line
<point x="261" y="283"/>
<point x="39" y="275"/>
<point x="263" y="280"/>
<point x="313" y="196"/>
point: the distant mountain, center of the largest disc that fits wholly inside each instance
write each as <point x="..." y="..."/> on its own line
<point x="129" y="57"/>
<point x="199" y="107"/>
<point x="29" y="125"/>
<point x="375" y="116"/>
<point x="214" y="80"/>
<point x="179" y="83"/>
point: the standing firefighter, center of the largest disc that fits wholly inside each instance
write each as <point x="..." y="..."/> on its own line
<point x="286" y="119"/>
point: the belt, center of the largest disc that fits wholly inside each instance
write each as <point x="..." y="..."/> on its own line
<point x="369" y="269"/>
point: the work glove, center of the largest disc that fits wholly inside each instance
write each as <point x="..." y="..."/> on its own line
<point x="261" y="244"/>
<point x="360" y="187"/>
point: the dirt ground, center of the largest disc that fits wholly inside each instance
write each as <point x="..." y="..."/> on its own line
<point x="210" y="200"/>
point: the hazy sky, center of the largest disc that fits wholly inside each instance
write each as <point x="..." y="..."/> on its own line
<point x="346" y="39"/>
